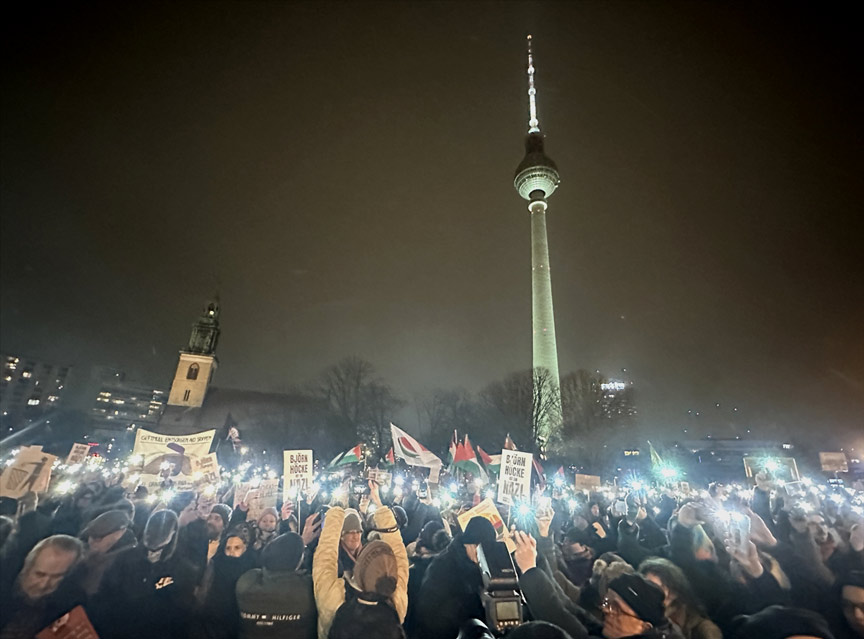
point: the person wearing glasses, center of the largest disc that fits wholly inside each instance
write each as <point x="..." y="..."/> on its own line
<point x="633" y="607"/>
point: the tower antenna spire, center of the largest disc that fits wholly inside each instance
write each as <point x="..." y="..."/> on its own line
<point x="533" y="122"/>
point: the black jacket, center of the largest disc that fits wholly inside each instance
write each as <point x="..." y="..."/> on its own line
<point x="276" y="604"/>
<point x="450" y="594"/>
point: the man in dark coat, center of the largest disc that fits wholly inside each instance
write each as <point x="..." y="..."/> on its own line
<point x="277" y="600"/>
<point x="450" y="594"/>
<point x="149" y="590"/>
<point x="107" y="536"/>
<point x="44" y="590"/>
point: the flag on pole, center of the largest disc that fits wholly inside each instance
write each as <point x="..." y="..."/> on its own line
<point x="350" y="456"/>
<point x="492" y="462"/>
<point x="413" y="452"/>
<point x="468" y="460"/>
<point x="389" y="459"/>
<point x="656" y="460"/>
<point x="508" y="443"/>
<point x="451" y="452"/>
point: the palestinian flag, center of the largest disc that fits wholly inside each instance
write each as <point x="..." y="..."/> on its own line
<point x="508" y="443"/>
<point x="413" y="452"/>
<point x="351" y="456"/>
<point x="389" y="459"/>
<point x="492" y="462"/>
<point x="451" y="452"/>
<point x="468" y="461"/>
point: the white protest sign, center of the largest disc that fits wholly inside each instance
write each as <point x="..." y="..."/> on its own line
<point x="258" y="495"/>
<point x="297" y="470"/>
<point x="205" y="470"/>
<point x="29" y="472"/>
<point x="78" y="454"/>
<point x="169" y="457"/>
<point x="382" y="477"/>
<point x="514" y="480"/>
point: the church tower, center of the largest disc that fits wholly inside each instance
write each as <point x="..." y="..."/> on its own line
<point x="197" y="361"/>
<point x="536" y="179"/>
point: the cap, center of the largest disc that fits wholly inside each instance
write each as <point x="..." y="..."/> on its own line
<point x="107" y="523"/>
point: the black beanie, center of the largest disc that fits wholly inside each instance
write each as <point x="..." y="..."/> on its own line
<point x="479" y="531"/>
<point x="779" y="622"/>
<point x="642" y="596"/>
<point x="283" y="553"/>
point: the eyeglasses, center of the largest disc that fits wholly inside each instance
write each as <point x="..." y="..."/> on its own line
<point x="611" y="607"/>
<point x="852" y="607"/>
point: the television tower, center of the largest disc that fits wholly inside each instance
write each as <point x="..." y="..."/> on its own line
<point x="536" y="179"/>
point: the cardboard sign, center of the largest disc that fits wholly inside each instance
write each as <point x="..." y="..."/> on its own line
<point x="169" y="457"/>
<point x="514" y="479"/>
<point x="30" y="472"/>
<point x="73" y="625"/>
<point x="298" y="470"/>
<point x="383" y="477"/>
<point x="258" y="496"/>
<point x="787" y="469"/>
<point x="834" y="462"/>
<point x="487" y="510"/>
<point x="208" y="467"/>
<point x="78" y="454"/>
<point x="588" y="482"/>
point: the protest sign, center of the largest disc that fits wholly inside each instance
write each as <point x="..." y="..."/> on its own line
<point x="205" y="469"/>
<point x="29" y="472"/>
<point x="514" y="481"/>
<point x="169" y="457"/>
<point x="382" y="477"/>
<point x="487" y="510"/>
<point x="78" y="454"/>
<point x="834" y="462"/>
<point x="258" y="495"/>
<point x="73" y="625"/>
<point x="587" y="482"/>
<point x="783" y="468"/>
<point x="297" y="470"/>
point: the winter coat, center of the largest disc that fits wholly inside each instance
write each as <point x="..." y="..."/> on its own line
<point x="142" y="600"/>
<point x="94" y="566"/>
<point x="330" y="588"/>
<point x="373" y="616"/>
<point x="21" y="618"/>
<point x="546" y="605"/>
<point x="415" y="581"/>
<point x="276" y="604"/>
<point x="450" y="593"/>
<point x="220" y="616"/>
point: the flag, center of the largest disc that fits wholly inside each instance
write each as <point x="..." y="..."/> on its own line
<point x="467" y="460"/>
<point x="389" y="459"/>
<point x="351" y="456"/>
<point x="413" y="452"/>
<point x="451" y="452"/>
<point x="508" y="443"/>
<point x="492" y="462"/>
<point x="656" y="460"/>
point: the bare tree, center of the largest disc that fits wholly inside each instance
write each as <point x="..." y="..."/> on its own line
<point x="446" y="411"/>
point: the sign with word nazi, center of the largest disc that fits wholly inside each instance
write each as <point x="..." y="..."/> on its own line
<point x="297" y="470"/>
<point x="514" y="479"/>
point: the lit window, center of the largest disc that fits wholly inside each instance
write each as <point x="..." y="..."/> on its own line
<point x="32" y="402"/>
<point x="53" y="398"/>
<point x="8" y="378"/>
<point x="27" y="374"/>
<point x="192" y="373"/>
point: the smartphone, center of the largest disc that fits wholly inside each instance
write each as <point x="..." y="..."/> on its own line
<point x="739" y="530"/>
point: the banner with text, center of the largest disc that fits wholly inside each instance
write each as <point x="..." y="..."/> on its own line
<point x="78" y="454"/>
<point x="169" y="457"/>
<point x="514" y="479"/>
<point x="297" y="470"/>
<point x="258" y="495"/>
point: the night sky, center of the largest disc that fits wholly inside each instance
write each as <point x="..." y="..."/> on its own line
<point x="342" y="176"/>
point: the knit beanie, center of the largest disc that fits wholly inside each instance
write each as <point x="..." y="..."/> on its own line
<point x="224" y="511"/>
<point x="283" y="553"/>
<point x="779" y="622"/>
<point x="351" y="521"/>
<point x="642" y="596"/>
<point x="375" y="569"/>
<point x="479" y="531"/>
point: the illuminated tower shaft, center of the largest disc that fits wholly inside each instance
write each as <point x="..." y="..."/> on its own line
<point x="536" y="179"/>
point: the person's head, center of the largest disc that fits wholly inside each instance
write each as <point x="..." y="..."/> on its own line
<point x="671" y="580"/>
<point x="375" y="570"/>
<point x="632" y="606"/>
<point x="84" y="497"/>
<point x="352" y="531"/>
<point x="479" y="531"/>
<point x="575" y="543"/>
<point x="595" y="509"/>
<point x="852" y="599"/>
<point x="105" y="531"/>
<point x="160" y="535"/>
<point x="268" y="521"/>
<point x="185" y="507"/>
<point x="283" y="554"/>
<point x="427" y="533"/>
<point x="47" y="564"/>
<point x="217" y="520"/>
<point x="817" y="527"/>
<point x="235" y="545"/>
<point x="781" y="622"/>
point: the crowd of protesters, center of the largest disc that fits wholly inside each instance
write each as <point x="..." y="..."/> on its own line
<point x="662" y="565"/>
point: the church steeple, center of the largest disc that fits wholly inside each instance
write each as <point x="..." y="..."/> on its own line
<point x="197" y="361"/>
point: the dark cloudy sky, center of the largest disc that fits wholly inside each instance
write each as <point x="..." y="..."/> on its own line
<point x="342" y="175"/>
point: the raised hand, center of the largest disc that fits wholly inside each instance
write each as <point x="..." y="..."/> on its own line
<point x="526" y="551"/>
<point x="311" y="528"/>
